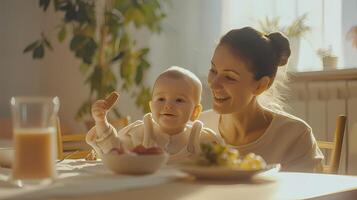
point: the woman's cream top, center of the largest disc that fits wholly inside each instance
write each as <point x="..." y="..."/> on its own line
<point x="288" y="140"/>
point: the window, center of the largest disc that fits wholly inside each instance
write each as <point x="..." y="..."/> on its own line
<point x="324" y="18"/>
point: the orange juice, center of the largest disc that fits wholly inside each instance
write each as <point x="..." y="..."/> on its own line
<point x="35" y="153"/>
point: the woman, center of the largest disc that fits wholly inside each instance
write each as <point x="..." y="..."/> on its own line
<point x="244" y="66"/>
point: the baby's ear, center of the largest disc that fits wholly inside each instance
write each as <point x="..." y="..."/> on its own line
<point x="196" y="112"/>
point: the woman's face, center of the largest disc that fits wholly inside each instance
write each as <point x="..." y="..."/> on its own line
<point x="231" y="84"/>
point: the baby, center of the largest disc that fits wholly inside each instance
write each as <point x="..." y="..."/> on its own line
<point x="171" y="125"/>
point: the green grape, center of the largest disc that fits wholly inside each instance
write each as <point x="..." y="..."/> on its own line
<point x="218" y="148"/>
<point x="233" y="154"/>
<point x="216" y="154"/>
<point x="223" y="159"/>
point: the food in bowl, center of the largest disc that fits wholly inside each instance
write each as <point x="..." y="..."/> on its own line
<point x="139" y="160"/>
<point x="222" y="155"/>
<point x="6" y="156"/>
<point x="141" y="150"/>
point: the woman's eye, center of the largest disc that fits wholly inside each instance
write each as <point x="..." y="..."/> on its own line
<point x="230" y="78"/>
<point x="213" y="71"/>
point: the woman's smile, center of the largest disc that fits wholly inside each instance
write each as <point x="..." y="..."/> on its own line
<point x="220" y="98"/>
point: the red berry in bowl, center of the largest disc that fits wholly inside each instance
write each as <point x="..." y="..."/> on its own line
<point x="118" y="151"/>
<point x="141" y="150"/>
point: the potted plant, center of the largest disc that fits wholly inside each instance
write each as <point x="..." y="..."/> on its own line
<point x="99" y="35"/>
<point x="329" y="60"/>
<point x="297" y="29"/>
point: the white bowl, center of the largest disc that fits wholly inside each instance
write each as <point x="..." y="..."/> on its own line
<point x="134" y="164"/>
<point x="6" y="156"/>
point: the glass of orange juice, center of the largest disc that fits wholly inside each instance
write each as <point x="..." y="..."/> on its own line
<point x="35" y="140"/>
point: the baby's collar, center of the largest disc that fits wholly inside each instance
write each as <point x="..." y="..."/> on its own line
<point x="168" y="137"/>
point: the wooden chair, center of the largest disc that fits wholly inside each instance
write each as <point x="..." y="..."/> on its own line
<point x="74" y="152"/>
<point x="335" y="147"/>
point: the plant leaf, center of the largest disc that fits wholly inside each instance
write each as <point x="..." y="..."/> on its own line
<point x="139" y="74"/>
<point x="48" y="44"/>
<point x="84" y="110"/>
<point x="143" y="99"/>
<point x="44" y="4"/>
<point x="117" y="57"/>
<point x="62" y="34"/>
<point x="84" y="68"/>
<point x="76" y="41"/>
<point x="39" y="52"/>
<point x="31" y="46"/>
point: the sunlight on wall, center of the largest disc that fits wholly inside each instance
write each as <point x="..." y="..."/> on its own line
<point x="324" y="18"/>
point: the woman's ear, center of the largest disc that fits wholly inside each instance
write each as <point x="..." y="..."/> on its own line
<point x="196" y="112"/>
<point x="263" y="84"/>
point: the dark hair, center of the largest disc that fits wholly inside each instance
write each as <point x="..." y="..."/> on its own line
<point x="262" y="53"/>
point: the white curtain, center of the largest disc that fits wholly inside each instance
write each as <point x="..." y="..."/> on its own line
<point x="324" y="17"/>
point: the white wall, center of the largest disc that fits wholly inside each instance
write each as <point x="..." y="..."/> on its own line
<point x="190" y="33"/>
<point x="19" y="74"/>
<point x="57" y="75"/>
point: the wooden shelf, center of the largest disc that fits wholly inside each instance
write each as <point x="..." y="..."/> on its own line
<point x="333" y="75"/>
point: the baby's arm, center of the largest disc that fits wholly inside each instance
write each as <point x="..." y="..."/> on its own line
<point x="99" y="112"/>
<point x="200" y="134"/>
<point x="209" y="136"/>
<point x="149" y="139"/>
<point x="103" y="136"/>
<point x="105" y="143"/>
<point x="193" y="145"/>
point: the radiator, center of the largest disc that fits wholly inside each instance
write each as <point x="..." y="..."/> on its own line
<point x="319" y="103"/>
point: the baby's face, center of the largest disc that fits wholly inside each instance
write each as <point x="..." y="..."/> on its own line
<point x="172" y="104"/>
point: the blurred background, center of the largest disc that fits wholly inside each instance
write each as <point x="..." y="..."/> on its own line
<point x="80" y="50"/>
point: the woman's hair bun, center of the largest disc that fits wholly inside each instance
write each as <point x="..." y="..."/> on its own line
<point x="281" y="46"/>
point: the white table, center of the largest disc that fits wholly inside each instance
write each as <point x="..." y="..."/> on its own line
<point x="79" y="179"/>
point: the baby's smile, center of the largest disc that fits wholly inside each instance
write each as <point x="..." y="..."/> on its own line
<point x="168" y="114"/>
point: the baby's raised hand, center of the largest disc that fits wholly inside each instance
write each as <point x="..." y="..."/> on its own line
<point x="101" y="107"/>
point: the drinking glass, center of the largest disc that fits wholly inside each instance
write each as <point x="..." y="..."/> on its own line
<point x="35" y="139"/>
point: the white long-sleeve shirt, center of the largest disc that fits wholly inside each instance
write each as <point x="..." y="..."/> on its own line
<point x="179" y="146"/>
<point x="288" y="140"/>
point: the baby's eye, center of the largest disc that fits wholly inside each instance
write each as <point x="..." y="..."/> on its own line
<point x="160" y="99"/>
<point x="180" y="100"/>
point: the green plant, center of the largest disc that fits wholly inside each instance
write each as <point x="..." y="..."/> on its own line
<point x="296" y="29"/>
<point x="102" y="41"/>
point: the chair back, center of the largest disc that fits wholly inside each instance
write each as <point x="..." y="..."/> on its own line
<point x="71" y="146"/>
<point x="335" y="147"/>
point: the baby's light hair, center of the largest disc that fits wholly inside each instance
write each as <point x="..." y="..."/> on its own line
<point x="176" y="72"/>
